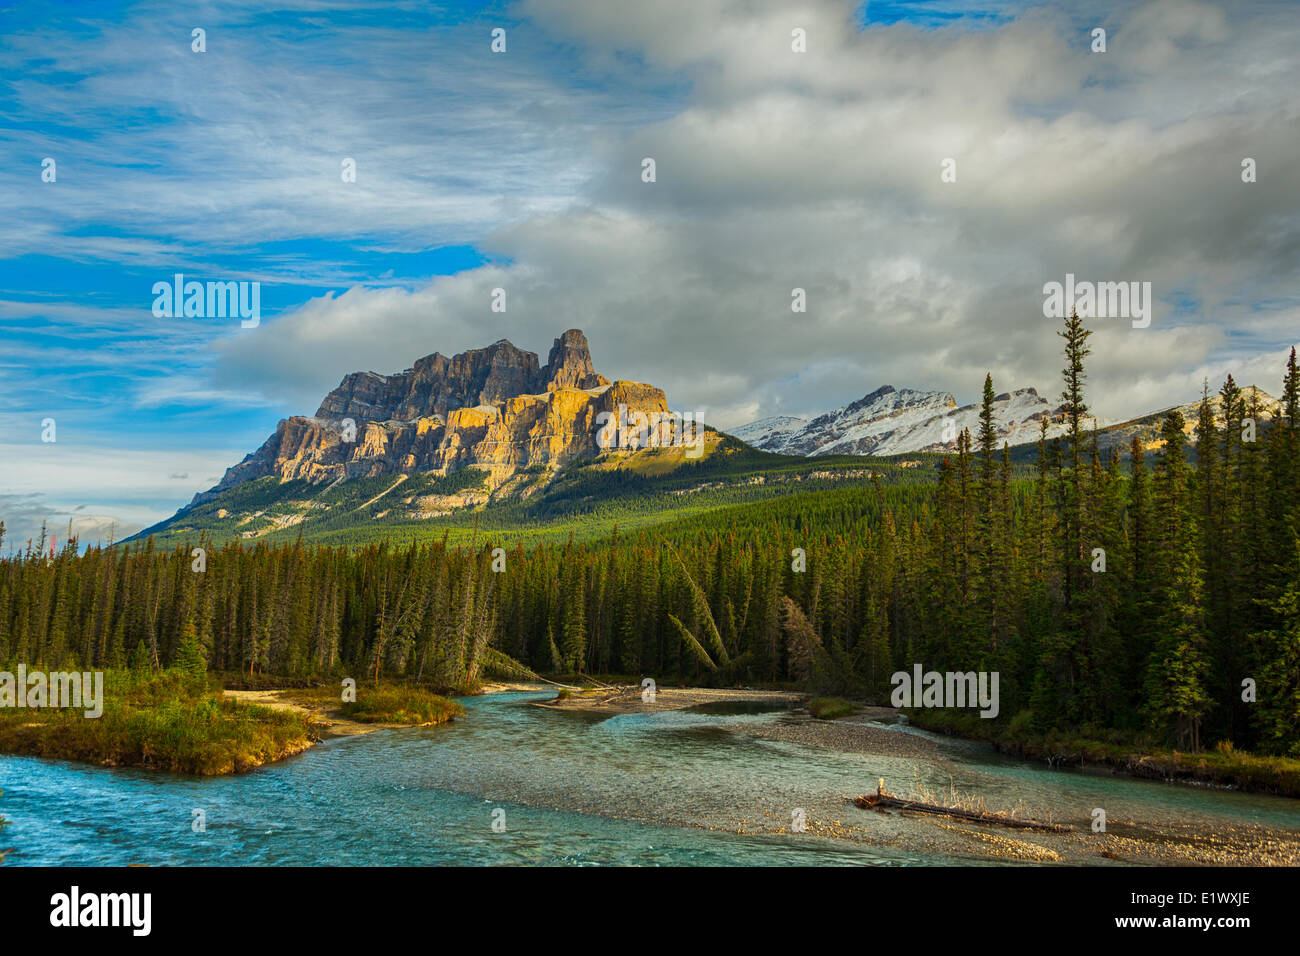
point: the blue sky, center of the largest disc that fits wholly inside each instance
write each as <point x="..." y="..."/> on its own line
<point x="144" y="132"/>
<point x="75" y="288"/>
<point x="519" y="169"/>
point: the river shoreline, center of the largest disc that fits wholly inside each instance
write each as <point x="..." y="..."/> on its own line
<point x="1241" y="772"/>
<point x="327" y="721"/>
<point x="853" y="734"/>
<point x="636" y="700"/>
<point x="176" y="724"/>
<point x="1225" y="769"/>
<point x="755" y="763"/>
<point x="858" y="733"/>
<point x="1132" y="840"/>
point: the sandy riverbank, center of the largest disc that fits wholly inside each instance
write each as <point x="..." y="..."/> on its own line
<point x="846" y="735"/>
<point x="630" y="700"/>
<point x="512" y="687"/>
<point x="325" y="718"/>
<point x="857" y="734"/>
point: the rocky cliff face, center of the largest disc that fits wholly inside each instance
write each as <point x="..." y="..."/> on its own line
<point x="495" y="408"/>
<point x="437" y="384"/>
<point x="569" y="364"/>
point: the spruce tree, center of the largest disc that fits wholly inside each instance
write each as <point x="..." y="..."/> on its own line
<point x="988" y="534"/>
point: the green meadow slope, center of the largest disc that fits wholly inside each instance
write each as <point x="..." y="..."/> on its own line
<point x="585" y="499"/>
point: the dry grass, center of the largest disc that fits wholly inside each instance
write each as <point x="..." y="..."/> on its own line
<point x="953" y="798"/>
<point x="164" y="721"/>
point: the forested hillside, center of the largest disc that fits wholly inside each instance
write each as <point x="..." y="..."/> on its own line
<point x="585" y="498"/>
<point x="1105" y="597"/>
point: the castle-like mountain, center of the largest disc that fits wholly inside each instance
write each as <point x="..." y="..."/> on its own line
<point x="496" y="408"/>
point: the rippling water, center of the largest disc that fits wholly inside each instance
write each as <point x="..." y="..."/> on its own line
<point x="574" y="788"/>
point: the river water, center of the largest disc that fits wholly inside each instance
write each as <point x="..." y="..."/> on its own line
<point x="562" y="788"/>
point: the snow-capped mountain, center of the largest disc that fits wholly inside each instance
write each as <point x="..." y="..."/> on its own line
<point x="891" y="421"/>
<point x="765" y="431"/>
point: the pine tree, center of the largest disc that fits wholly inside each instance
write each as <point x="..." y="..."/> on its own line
<point x="574" y="634"/>
<point x="1291" y="392"/>
<point x="141" y="659"/>
<point x="189" y="657"/>
<point x="1143" y="574"/>
<point x="1075" y="410"/>
<point x="988" y="532"/>
<point x="1279" y="681"/>
<point x="1176" y="685"/>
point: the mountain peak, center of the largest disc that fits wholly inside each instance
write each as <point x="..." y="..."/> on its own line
<point x="569" y="364"/>
<point x="493" y="408"/>
<point x="893" y="420"/>
<point x="437" y="385"/>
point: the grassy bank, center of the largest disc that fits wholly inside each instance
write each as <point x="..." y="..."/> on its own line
<point x="162" y="721"/>
<point x="828" y="708"/>
<point x="1124" y="752"/>
<point x="383" y="705"/>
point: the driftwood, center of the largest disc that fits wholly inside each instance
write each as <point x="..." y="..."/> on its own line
<point x="882" y="799"/>
<point x="619" y="692"/>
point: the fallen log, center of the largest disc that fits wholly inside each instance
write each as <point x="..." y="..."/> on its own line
<point x="882" y="799"/>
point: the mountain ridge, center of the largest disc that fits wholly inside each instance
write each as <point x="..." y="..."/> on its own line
<point x="890" y="421"/>
<point x="496" y="427"/>
<point x="495" y="407"/>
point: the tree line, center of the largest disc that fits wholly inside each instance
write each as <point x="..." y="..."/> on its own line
<point x="1159" y="593"/>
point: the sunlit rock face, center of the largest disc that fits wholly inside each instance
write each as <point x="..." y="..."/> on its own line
<point x="494" y="407"/>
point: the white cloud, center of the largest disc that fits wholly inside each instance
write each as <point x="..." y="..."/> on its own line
<point x="98" y="488"/>
<point x="775" y="170"/>
<point x="821" y="171"/>
<point x="446" y="137"/>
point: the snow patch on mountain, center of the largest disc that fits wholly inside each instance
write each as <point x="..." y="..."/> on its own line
<point x="891" y="421"/>
<point x="765" y="430"/>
